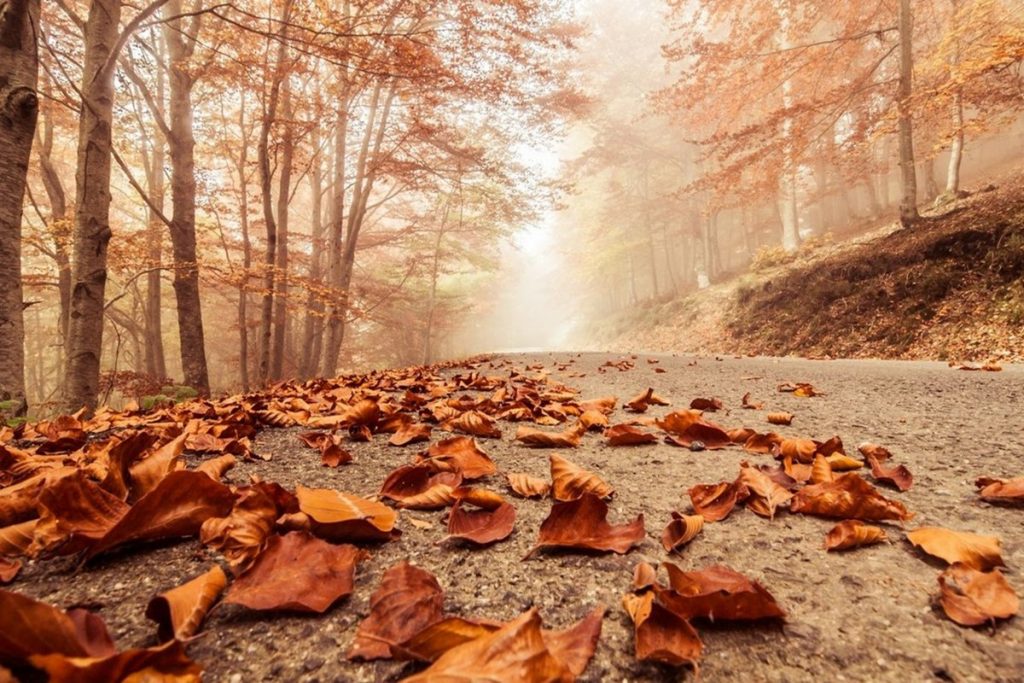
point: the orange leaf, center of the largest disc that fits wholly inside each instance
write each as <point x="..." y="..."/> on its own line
<point x="570" y="481"/>
<point x="407" y="601"/>
<point x="526" y="486"/>
<point x="180" y="611"/>
<point x="847" y="497"/>
<point x="714" y="502"/>
<point x="661" y="635"/>
<point x="420" y="488"/>
<point x="411" y="433"/>
<point x="971" y="597"/>
<point x="1001" y="490"/>
<point x="680" y="531"/>
<point x="474" y="423"/>
<point x="459" y="454"/>
<point x="707" y="404"/>
<point x="296" y="572"/>
<point x="343" y="517"/>
<point x="780" y="418"/>
<point x="898" y="476"/>
<point x="628" y="435"/>
<point x="640" y="404"/>
<point x="971" y="550"/>
<point x="766" y="495"/>
<point x="853" y="534"/>
<point x="570" y="438"/>
<point x="717" y="593"/>
<point x="481" y="526"/>
<point x="167" y="662"/>
<point x="581" y="524"/>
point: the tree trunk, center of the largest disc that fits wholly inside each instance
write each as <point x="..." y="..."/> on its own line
<point x="908" y="202"/>
<point x="334" y="248"/>
<point x="19" y="107"/>
<point x="156" y="360"/>
<point x="435" y="270"/>
<point x="57" y="197"/>
<point x="92" y="214"/>
<point x="181" y="144"/>
<point x="243" y="286"/>
<point x="312" y="325"/>
<point x="956" y="149"/>
<point x="281" y="261"/>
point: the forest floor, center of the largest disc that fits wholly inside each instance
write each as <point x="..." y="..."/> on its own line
<point x="950" y="288"/>
<point x="867" y="614"/>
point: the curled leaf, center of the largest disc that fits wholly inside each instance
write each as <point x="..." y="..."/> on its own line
<point x="407" y="601"/>
<point x="714" y="502"/>
<point x="971" y="550"/>
<point x="180" y="611"/>
<point x="339" y="516"/>
<point x="481" y="526"/>
<point x="853" y="534"/>
<point x="526" y="486"/>
<point x="717" y="593"/>
<point x="582" y="524"/>
<point x="628" y="435"/>
<point x="459" y="454"/>
<point x="570" y="481"/>
<point x="971" y="597"/>
<point x="847" y="497"/>
<point x="1001" y="490"/>
<point x="680" y="531"/>
<point x="537" y="438"/>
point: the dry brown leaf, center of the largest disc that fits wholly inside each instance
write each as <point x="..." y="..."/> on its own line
<point x="605" y="405"/>
<point x="710" y="405"/>
<point x="536" y="438"/>
<point x="880" y="453"/>
<point x="971" y="550"/>
<point x="342" y="517"/>
<point x="297" y="572"/>
<point x="780" y="418"/>
<point x="714" y="502"/>
<point x="972" y="598"/>
<point x="406" y="602"/>
<point x="16" y="539"/>
<point x="164" y="663"/>
<point x="411" y="433"/>
<point x="1001" y="490"/>
<point x="515" y="653"/>
<point x="30" y="627"/>
<point x="241" y="535"/>
<point x="593" y="420"/>
<point x="474" y="423"/>
<point x="821" y="470"/>
<point x="898" y="476"/>
<point x="717" y="593"/>
<point x="680" y="531"/>
<point x="800" y="450"/>
<point x="527" y="486"/>
<point x="480" y="526"/>
<point x="459" y="454"/>
<point x="180" y="611"/>
<point x="628" y="435"/>
<point x="177" y="507"/>
<point x="581" y="524"/>
<point x="74" y="514"/>
<point x="766" y="495"/>
<point x="418" y="487"/>
<point x="853" y="534"/>
<point x="570" y="481"/>
<point x="848" y="497"/>
<point x="147" y="473"/>
<point x="762" y="443"/>
<point x="215" y="468"/>
<point x="640" y="404"/>
<point x="843" y="463"/>
<point x="659" y="634"/>
<point x="750" y="405"/>
<point x="740" y="435"/>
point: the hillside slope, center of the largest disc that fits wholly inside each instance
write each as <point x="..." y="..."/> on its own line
<point x="950" y="288"/>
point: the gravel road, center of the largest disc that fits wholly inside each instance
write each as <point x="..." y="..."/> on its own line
<point x="865" y="615"/>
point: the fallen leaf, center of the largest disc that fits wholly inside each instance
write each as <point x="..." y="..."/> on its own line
<point x="180" y="611"/>
<point x="16" y="539"/>
<point x="659" y="634"/>
<point x="241" y="535"/>
<point x="526" y="486"/>
<point x="762" y="443"/>
<point x="75" y="513"/>
<point x="536" y="438"/>
<point x="750" y="405"/>
<point x="717" y="593"/>
<point x="407" y="601"/>
<point x="766" y="495"/>
<point x="1001" y="490"/>
<point x="706" y="404"/>
<point x="481" y="526"/>
<point x="177" y="507"/>
<point x="853" y="534"/>
<point x="714" y="502"/>
<point x="570" y="481"/>
<point x="843" y="463"/>
<point x="459" y="454"/>
<point x="821" y="470"/>
<point x="628" y="435"/>
<point x="594" y="420"/>
<point x="8" y="569"/>
<point x="880" y="453"/>
<point x="971" y="550"/>
<point x="780" y="418"/>
<point x="605" y="405"/>
<point x="515" y="652"/>
<point x="411" y="433"/>
<point x="30" y="627"/>
<point x="582" y="524"/>
<point x="575" y="645"/>
<point x="972" y="598"/>
<point x="296" y="572"/>
<point x="167" y="662"/>
<point x="418" y="487"/>
<point x="898" y="476"/>
<point x="680" y="531"/>
<point x="215" y="468"/>
<point x="640" y="404"/>
<point x="847" y="497"/>
<point x="474" y="423"/>
<point x="343" y="517"/>
<point x="800" y="450"/>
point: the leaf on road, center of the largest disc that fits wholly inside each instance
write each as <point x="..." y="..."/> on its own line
<point x="406" y="602"/>
<point x="411" y="433"/>
<point x="848" y="497"/>
<point x="459" y="454"/>
<point x="640" y="403"/>
<point x="972" y="598"/>
<point x="241" y="535"/>
<point x="971" y="550"/>
<point x="515" y="652"/>
<point x="297" y="572"/>
<point x="180" y="611"/>
<point x="481" y="525"/>
<point x="419" y="487"/>
<point x="570" y="481"/>
<point x="717" y="593"/>
<point x="714" y="502"/>
<point x="536" y="438"/>
<point x="706" y="404"/>
<point x="766" y="495"/>
<point x="853" y="534"/>
<point x="898" y="476"/>
<point x="164" y="663"/>
<point x="659" y="634"/>
<point x="582" y="525"/>
<point x="1001" y="490"/>
<point x="30" y="627"/>
<point x="474" y="423"/>
<point x="680" y="531"/>
<point x="628" y="435"/>
<point x="527" y="486"/>
<point x="343" y="517"/>
<point x="780" y="418"/>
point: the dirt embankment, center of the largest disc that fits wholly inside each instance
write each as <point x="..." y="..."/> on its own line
<point x="951" y="288"/>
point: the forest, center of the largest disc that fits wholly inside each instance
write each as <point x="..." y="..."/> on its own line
<point x="344" y="185"/>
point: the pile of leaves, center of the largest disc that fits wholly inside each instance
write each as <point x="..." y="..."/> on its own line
<point x="86" y="486"/>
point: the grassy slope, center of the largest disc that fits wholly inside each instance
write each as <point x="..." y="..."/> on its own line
<point x="950" y="288"/>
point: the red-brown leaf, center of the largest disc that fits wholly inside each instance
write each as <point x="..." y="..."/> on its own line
<point x="581" y="524"/>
